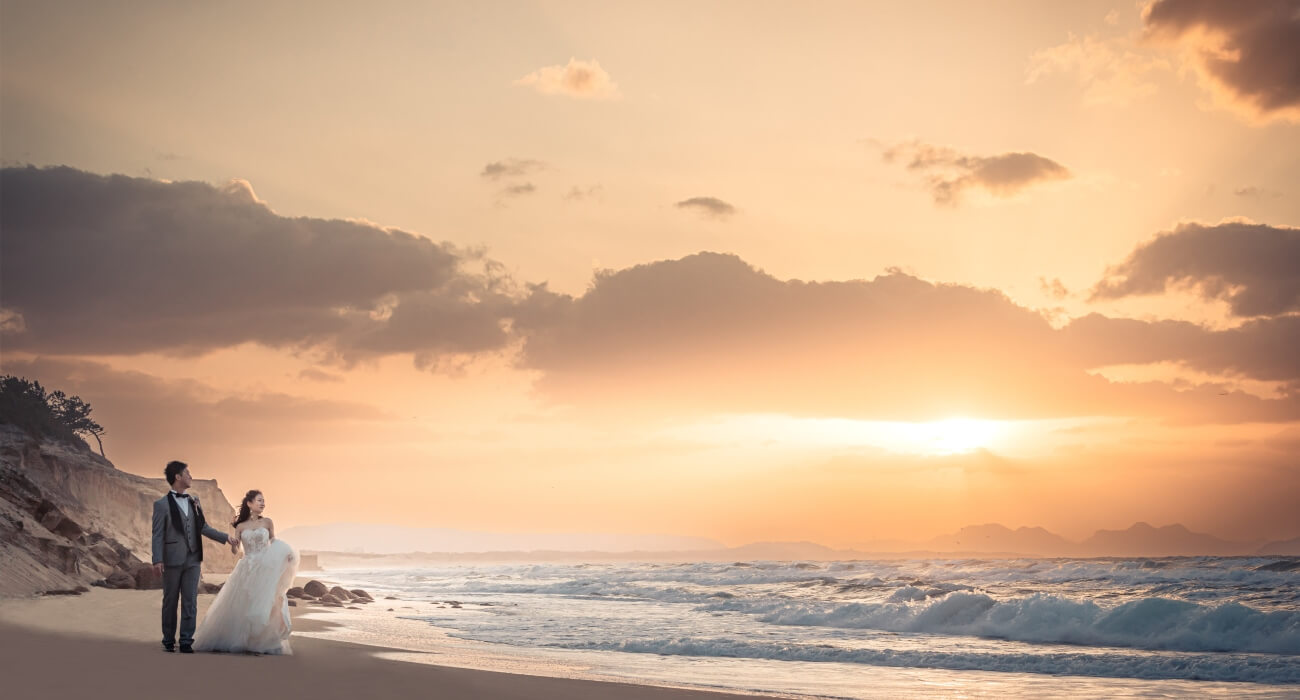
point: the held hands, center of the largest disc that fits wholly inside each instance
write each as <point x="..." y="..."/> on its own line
<point x="234" y="543"/>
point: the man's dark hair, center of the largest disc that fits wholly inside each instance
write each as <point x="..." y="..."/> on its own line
<point x="174" y="468"/>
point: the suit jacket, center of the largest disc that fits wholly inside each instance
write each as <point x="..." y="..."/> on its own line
<point x="175" y="535"/>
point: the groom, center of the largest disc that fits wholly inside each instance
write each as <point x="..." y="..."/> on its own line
<point x="178" y="554"/>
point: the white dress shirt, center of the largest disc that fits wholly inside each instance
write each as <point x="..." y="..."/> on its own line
<point x="183" y="503"/>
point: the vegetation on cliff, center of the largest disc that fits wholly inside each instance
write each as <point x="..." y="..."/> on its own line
<point x="43" y="414"/>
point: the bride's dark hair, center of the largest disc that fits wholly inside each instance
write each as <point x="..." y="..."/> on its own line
<point x="244" y="512"/>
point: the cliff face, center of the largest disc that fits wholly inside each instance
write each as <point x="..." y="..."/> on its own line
<point x="69" y="518"/>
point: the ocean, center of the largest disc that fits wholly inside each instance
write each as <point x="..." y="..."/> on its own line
<point x="1169" y="627"/>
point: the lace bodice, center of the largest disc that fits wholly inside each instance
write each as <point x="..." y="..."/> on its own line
<point x="254" y="540"/>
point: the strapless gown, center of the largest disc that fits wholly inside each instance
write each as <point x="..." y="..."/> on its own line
<point x="251" y="612"/>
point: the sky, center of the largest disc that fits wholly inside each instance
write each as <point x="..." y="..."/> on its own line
<point x="839" y="272"/>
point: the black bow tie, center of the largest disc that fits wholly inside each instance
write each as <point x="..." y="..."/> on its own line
<point x="180" y="495"/>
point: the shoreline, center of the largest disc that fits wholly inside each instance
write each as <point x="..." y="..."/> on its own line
<point x="419" y="624"/>
<point x="380" y="650"/>
<point x="104" y="644"/>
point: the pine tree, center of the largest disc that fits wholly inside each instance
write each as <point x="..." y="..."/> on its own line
<point x="27" y="405"/>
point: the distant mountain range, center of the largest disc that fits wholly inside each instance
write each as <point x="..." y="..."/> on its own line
<point x="1289" y="547"/>
<point x="1139" y="540"/>
<point x="358" y="543"/>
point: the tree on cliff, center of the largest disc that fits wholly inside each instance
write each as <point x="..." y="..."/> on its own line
<point x="56" y="415"/>
<point x="74" y="413"/>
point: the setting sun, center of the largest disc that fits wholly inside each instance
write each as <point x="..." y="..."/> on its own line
<point x="957" y="435"/>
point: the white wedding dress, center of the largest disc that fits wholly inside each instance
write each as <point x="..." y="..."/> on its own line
<point x="251" y="612"/>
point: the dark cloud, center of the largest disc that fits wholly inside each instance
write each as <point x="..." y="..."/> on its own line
<point x="1249" y="50"/>
<point x="511" y="167"/>
<point x="118" y="265"/>
<point x="709" y="333"/>
<point x="1263" y="349"/>
<point x="948" y="173"/>
<point x="519" y="190"/>
<point x="1250" y="266"/>
<point x="709" y="206"/>
<point x="429" y="324"/>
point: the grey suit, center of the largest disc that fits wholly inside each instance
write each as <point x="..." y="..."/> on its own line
<point x="178" y="547"/>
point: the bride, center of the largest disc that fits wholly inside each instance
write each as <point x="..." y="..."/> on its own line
<point x="251" y="612"/>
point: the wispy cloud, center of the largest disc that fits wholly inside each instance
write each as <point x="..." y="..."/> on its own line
<point x="1253" y="192"/>
<point x="1111" y="71"/>
<point x="578" y="194"/>
<point x="519" y="190"/>
<point x="316" y="375"/>
<point x="581" y="79"/>
<point x="1053" y="288"/>
<point x="511" y="167"/>
<point x="512" y="170"/>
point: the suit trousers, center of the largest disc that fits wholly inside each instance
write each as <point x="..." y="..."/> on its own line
<point x="181" y="584"/>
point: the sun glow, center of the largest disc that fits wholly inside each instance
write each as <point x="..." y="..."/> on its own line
<point x="956" y="435"/>
<point x="939" y="437"/>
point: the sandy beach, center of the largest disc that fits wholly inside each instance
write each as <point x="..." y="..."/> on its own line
<point x="104" y="644"/>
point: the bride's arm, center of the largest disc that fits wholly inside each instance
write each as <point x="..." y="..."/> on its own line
<point x="270" y="529"/>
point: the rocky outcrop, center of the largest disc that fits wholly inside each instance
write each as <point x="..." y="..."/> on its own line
<point x="69" y="518"/>
<point x="320" y="594"/>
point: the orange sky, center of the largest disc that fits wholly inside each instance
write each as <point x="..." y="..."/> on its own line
<point x="749" y="270"/>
